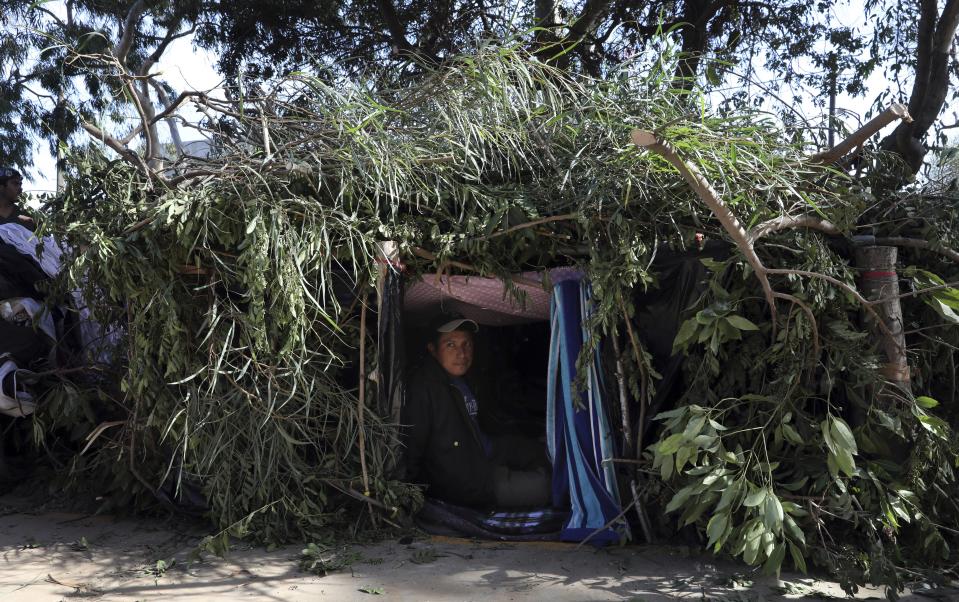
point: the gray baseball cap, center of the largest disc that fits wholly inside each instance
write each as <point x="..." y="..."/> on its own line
<point x="451" y="322"/>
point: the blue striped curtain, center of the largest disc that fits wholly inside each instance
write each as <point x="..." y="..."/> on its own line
<point x="577" y="426"/>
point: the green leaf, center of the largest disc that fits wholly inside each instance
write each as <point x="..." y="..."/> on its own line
<point x="793" y="529"/>
<point x="678" y="499"/>
<point x="729" y="332"/>
<point x="670" y="444"/>
<point x="775" y="561"/>
<point x="685" y="334"/>
<point x="666" y="468"/>
<point x="730" y="495"/>
<point x="845" y="462"/>
<point x="827" y="437"/>
<point x="716" y="527"/>
<point x="791" y="434"/>
<point x="694" y="427"/>
<point x="832" y="465"/>
<point x="926" y="402"/>
<point x="772" y="513"/>
<point x="716" y="425"/>
<point x="670" y="414"/>
<point x="693" y="513"/>
<point x="842" y="435"/>
<point x="741" y="323"/>
<point x="936" y="426"/>
<point x="682" y="455"/>
<point x="752" y="549"/>
<point x="797" y="557"/>
<point x="755" y="498"/>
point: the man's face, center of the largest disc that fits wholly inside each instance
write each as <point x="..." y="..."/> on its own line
<point x="11" y="190"/>
<point x="454" y="351"/>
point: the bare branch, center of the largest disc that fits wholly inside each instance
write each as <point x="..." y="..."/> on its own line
<point x="709" y="196"/>
<point x="123" y="45"/>
<point x="530" y="224"/>
<point x="918" y="243"/>
<point x="116" y="146"/>
<point x="162" y="46"/>
<point x="867" y="304"/>
<point x="170" y="121"/>
<point x="857" y="138"/>
<point x="786" y="222"/>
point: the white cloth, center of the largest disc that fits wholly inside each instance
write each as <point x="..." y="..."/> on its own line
<point x="12" y="310"/>
<point x="48" y="254"/>
<point x="19" y="404"/>
<point x="45" y="251"/>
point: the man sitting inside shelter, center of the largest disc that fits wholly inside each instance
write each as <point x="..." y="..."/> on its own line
<point x="451" y="445"/>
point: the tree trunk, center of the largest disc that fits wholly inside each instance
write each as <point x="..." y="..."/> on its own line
<point x="879" y="281"/>
<point x="937" y="36"/>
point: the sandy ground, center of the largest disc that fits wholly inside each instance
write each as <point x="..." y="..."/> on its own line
<point x="62" y="556"/>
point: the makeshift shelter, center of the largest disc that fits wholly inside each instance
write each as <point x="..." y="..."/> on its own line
<point x="579" y="412"/>
<point x="247" y="372"/>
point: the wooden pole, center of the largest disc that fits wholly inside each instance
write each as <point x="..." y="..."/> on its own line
<point x="361" y="407"/>
<point x="623" y="397"/>
<point x="877" y="265"/>
<point x="387" y="259"/>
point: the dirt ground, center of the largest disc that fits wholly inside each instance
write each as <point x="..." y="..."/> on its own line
<point x="48" y="555"/>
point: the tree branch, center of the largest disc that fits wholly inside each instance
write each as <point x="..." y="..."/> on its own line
<point x="932" y="97"/>
<point x="397" y="30"/>
<point x="867" y="304"/>
<point x="857" y="138"/>
<point x="530" y="224"/>
<point x="928" y="11"/>
<point x="786" y="222"/>
<point x="170" y="121"/>
<point x="125" y="42"/>
<point x="161" y="48"/>
<point x="116" y="146"/>
<point x="918" y="243"/>
<point x="588" y="19"/>
<point x="709" y="196"/>
<point x="170" y="107"/>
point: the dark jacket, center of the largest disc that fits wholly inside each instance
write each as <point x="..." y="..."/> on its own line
<point x="443" y="445"/>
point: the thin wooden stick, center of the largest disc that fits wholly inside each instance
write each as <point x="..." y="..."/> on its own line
<point x="607" y="525"/>
<point x="628" y="437"/>
<point x="623" y="399"/>
<point x="536" y="222"/>
<point x="361" y="408"/>
<point x="643" y="375"/>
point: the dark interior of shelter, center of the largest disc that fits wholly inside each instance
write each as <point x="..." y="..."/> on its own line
<point x="511" y="361"/>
